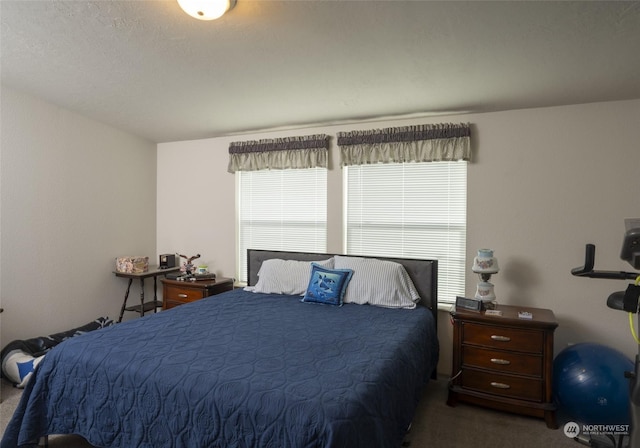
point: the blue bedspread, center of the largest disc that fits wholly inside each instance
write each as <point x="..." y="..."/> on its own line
<point x="236" y="370"/>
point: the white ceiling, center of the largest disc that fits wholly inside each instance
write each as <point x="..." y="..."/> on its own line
<point x="148" y="68"/>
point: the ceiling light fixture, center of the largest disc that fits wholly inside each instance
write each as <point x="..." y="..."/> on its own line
<point x="206" y="9"/>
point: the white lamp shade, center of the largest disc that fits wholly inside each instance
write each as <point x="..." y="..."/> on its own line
<point x="206" y="9"/>
<point x="485" y="262"/>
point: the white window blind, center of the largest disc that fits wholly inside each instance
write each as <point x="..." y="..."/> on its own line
<point x="414" y="210"/>
<point x="281" y="210"/>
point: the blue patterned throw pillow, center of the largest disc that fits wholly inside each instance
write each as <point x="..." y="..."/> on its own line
<point x="327" y="285"/>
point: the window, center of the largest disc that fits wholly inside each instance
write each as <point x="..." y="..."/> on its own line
<point x="281" y="210"/>
<point x="414" y="210"/>
<point x="281" y="197"/>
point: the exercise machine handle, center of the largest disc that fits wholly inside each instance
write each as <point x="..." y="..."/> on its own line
<point x="588" y="271"/>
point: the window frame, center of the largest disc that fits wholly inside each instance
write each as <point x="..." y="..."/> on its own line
<point x="306" y="176"/>
<point x="452" y="266"/>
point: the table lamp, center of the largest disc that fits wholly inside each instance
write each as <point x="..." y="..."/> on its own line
<point x="485" y="265"/>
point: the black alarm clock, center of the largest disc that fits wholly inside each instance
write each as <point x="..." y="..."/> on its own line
<point x="168" y="261"/>
<point x="465" y="303"/>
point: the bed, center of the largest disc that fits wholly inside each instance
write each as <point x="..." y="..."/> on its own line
<point x="242" y="369"/>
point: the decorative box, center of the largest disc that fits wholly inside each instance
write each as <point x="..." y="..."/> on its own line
<point x="132" y="265"/>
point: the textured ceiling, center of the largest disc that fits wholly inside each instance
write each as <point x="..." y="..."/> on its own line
<point x="148" y="68"/>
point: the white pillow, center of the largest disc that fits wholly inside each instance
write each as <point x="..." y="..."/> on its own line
<point x="18" y="366"/>
<point x="378" y="282"/>
<point x="278" y="276"/>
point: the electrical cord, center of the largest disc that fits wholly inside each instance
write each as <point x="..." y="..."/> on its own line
<point x="633" y="330"/>
<point x="455" y="376"/>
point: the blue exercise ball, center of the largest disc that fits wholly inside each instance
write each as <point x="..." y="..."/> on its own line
<point x="589" y="384"/>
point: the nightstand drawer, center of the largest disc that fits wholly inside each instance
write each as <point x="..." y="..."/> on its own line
<point x="503" y="338"/>
<point x="503" y="385"/>
<point x="502" y="361"/>
<point x="178" y="294"/>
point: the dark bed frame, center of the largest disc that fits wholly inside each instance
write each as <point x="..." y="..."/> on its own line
<point x="423" y="273"/>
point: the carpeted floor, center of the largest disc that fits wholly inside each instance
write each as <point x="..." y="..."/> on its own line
<point x="436" y="425"/>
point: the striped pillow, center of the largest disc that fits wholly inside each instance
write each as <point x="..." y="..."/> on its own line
<point x="278" y="276"/>
<point x="378" y="282"/>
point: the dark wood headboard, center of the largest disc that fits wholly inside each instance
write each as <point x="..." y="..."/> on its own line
<point x="423" y="273"/>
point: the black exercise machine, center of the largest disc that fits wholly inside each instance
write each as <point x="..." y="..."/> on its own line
<point x="624" y="301"/>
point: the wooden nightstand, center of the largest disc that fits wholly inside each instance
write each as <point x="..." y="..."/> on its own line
<point x="176" y="292"/>
<point x="504" y="362"/>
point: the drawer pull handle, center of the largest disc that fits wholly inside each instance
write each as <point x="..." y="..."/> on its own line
<point x="502" y="362"/>
<point x="500" y="385"/>
<point x="182" y="296"/>
<point x="496" y="337"/>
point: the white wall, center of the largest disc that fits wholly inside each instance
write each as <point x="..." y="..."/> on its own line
<point x="75" y="194"/>
<point x="542" y="184"/>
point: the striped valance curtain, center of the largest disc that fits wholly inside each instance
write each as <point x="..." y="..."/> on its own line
<point x="282" y="153"/>
<point x="422" y="143"/>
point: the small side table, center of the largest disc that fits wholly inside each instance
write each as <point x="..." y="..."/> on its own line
<point x="154" y="272"/>
<point x="504" y="362"/>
